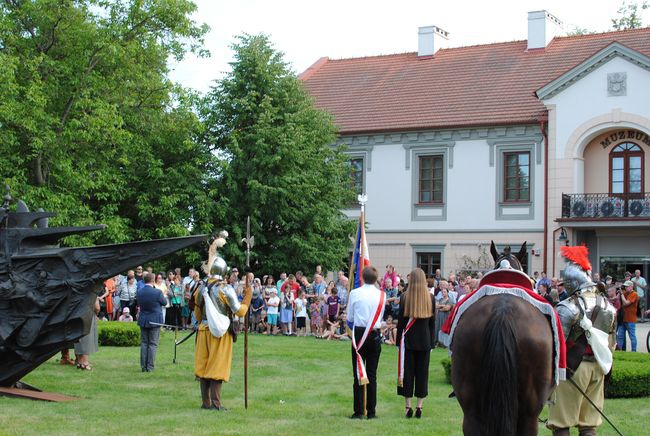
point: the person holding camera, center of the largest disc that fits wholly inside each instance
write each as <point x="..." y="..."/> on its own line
<point x="630" y="301"/>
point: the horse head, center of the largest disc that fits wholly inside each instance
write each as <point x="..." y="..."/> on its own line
<point x="506" y="259"/>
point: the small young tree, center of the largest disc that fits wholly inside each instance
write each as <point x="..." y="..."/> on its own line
<point x="279" y="166"/>
<point x="629" y="16"/>
<point x="471" y="265"/>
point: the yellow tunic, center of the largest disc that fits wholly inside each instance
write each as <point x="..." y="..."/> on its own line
<point x="213" y="356"/>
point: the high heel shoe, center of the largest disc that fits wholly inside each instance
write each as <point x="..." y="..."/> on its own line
<point x="418" y="412"/>
<point x="409" y="412"/>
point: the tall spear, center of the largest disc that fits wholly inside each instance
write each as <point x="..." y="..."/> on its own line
<point x="249" y="241"/>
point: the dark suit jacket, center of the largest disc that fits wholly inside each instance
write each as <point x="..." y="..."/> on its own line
<point x="151" y="301"/>
<point x="422" y="334"/>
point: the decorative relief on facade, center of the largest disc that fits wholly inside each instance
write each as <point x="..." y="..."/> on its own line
<point x="616" y="84"/>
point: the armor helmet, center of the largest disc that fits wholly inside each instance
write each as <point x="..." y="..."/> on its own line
<point x="218" y="269"/>
<point x="575" y="277"/>
<point x="576" y="273"/>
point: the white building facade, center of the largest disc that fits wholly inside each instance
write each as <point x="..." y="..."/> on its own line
<point x="543" y="141"/>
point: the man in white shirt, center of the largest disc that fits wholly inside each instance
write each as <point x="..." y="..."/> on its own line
<point x="187" y="281"/>
<point x="640" y="286"/>
<point x="365" y="311"/>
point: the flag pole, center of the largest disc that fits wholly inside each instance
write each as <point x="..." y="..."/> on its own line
<point x="250" y="242"/>
<point x="363" y="198"/>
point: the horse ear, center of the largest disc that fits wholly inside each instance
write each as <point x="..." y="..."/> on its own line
<point x="493" y="251"/>
<point x="522" y="252"/>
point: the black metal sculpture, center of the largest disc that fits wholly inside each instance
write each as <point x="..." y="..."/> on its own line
<point x="47" y="292"/>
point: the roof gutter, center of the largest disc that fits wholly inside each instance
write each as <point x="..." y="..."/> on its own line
<point x="543" y="125"/>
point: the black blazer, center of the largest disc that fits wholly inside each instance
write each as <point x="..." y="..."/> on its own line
<point x="422" y="334"/>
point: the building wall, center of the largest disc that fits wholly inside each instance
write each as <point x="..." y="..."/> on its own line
<point x="588" y="98"/>
<point x="399" y="249"/>
<point x="596" y="159"/>
<point x="472" y="179"/>
<point x="578" y="115"/>
<point x="472" y="212"/>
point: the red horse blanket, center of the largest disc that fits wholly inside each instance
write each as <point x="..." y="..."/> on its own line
<point x="520" y="290"/>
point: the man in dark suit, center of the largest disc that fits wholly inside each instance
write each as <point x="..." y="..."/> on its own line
<point x="151" y="301"/>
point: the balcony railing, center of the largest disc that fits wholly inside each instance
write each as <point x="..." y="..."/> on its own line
<point x="606" y="206"/>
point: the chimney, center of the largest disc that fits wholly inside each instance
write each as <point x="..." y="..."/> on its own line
<point x="542" y="28"/>
<point x="431" y="39"/>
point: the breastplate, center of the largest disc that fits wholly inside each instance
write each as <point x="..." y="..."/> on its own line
<point x="584" y="303"/>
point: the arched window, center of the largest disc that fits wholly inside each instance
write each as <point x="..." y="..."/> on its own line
<point x="626" y="169"/>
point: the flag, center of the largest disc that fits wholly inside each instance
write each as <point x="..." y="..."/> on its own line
<point x="360" y="258"/>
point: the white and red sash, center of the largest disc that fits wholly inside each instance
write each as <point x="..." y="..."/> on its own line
<point x="361" y="367"/>
<point x="400" y="356"/>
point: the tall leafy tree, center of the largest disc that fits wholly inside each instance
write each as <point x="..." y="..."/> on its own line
<point x="90" y="125"/>
<point x="279" y="166"/>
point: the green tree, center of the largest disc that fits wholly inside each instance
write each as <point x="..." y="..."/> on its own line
<point x="280" y="167"/>
<point x="576" y="30"/>
<point x="629" y="16"/>
<point x="90" y="125"/>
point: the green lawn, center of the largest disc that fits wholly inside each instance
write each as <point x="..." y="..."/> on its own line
<point x="296" y="386"/>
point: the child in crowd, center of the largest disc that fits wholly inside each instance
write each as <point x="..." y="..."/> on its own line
<point x="392" y="332"/>
<point x="126" y="315"/>
<point x="322" y="307"/>
<point x="332" y="326"/>
<point x="385" y="329"/>
<point x="333" y="302"/>
<point x="257" y="304"/>
<point x="262" y="326"/>
<point x="315" y="320"/>
<point x="272" y="313"/>
<point x="343" y="331"/>
<point x="301" y="314"/>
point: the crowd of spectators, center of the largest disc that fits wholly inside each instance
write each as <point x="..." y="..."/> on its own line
<point x="299" y="304"/>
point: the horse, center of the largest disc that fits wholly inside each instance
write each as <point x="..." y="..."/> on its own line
<point x="502" y="360"/>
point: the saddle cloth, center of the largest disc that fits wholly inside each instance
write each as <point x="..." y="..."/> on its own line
<point x="559" y="346"/>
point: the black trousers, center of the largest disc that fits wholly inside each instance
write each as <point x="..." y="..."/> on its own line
<point x="174" y="315"/>
<point x="369" y="352"/>
<point x="416" y="374"/>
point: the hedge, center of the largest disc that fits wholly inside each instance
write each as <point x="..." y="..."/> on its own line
<point x="630" y="375"/>
<point x="118" y="334"/>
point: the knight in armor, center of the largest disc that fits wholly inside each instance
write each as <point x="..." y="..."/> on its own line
<point x="588" y="321"/>
<point x="215" y="306"/>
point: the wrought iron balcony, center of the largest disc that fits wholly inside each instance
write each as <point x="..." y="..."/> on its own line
<point x="605" y="206"/>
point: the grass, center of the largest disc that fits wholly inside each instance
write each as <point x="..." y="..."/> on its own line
<point x="296" y="386"/>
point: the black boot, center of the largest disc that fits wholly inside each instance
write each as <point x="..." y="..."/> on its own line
<point x="587" y="431"/>
<point x="561" y="432"/>
<point x="205" y="393"/>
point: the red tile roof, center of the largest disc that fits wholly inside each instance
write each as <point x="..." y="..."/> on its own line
<point x="492" y="84"/>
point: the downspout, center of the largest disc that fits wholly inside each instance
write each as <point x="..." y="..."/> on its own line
<point x="543" y="124"/>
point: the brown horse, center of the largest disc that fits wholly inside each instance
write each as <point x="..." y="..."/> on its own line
<point x="502" y="361"/>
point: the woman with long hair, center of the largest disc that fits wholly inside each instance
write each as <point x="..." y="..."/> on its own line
<point x="415" y="339"/>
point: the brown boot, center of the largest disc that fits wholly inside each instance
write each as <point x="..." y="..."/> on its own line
<point x="587" y="431"/>
<point x="215" y="394"/>
<point x="205" y="393"/>
<point x="561" y="432"/>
